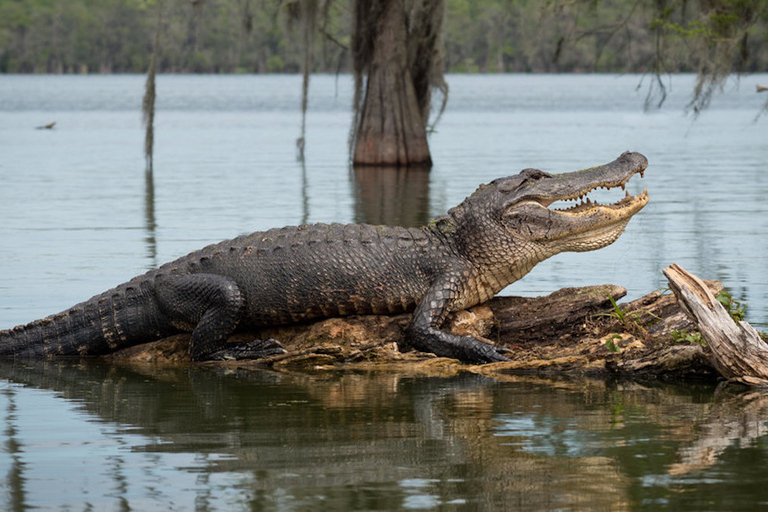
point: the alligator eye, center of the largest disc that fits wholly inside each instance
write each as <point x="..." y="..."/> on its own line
<point x="530" y="176"/>
<point x="534" y="174"/>
<point x="513" y="216"/>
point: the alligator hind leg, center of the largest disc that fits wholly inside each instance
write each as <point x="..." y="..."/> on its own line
<point x="211" y="306"/>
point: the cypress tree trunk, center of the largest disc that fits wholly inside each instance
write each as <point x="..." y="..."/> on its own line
<point x="391" y="130"/>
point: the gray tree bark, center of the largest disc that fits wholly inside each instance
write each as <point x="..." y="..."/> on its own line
<point x="391" y="129"/>
<point x="738" y="352"/>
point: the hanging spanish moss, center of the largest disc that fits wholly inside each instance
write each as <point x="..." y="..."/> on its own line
<point x="426" y="54"/>
<point x="721" y="46"/>
<point x="148" y="103"/>
<point x="713" y="38"/>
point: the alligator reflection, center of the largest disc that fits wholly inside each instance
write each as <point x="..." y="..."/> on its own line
<point x="388" y="441"/>
<point x="392" y="196"/>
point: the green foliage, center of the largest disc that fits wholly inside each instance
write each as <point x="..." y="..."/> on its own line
<point x="618" y="313"/>
<point x="736" y="309"/>
<point x="115" y="36"/>
<point x="275" y="64"/>
<point x="611" y="345"/>
<point x="629" y="319"/>
<point x="688" y="337"/>
<point x="227" y="36"/>
<point x="633" y="321"/>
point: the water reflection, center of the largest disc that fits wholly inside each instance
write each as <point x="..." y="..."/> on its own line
<point x="304" y="191"/>
<point x="736" y="418"/>
<point x="391" y="196"/>
<point x="150" y="224"/>
<point x="14" y="479"/>
<point x="389" y="441"/>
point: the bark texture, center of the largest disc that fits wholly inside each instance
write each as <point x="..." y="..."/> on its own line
<point x="738" y="351"/>
<point x="390" y="129"/>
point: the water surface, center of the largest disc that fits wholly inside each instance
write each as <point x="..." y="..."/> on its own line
<point x="145" y="438"/>
<point x="78" y="216"/>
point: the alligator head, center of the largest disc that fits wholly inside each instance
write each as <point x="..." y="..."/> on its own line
<point x="532" y="205"/>
<point x="526" y="218"/>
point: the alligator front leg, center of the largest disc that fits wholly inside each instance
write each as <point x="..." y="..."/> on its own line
<point x="211" y="306"/>
<point x="425" y="334"/>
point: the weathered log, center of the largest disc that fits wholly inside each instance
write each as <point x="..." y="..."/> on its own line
<point x="738" y="351"/>
<point x="558" y="317"/>
<point x="761" y="88"/>
<point x="573" y="330"/>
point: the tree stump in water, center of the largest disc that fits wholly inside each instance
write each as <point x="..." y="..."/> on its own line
<point x="392" y="130"/>
<point x="738" y="351"/>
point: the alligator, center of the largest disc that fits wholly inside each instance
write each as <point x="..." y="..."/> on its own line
<point x="301" y="273"/>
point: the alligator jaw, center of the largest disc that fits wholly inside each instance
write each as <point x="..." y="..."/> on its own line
<point x="629" y="205"/>
<point x="577" y="185"/>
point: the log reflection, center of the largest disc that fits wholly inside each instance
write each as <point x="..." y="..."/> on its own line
<point x="14" y="478"/>
<point x="737" y="418"/>
<point x="392" y="196"/>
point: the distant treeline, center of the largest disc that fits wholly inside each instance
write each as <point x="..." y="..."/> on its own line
<point x="251" y="36"/>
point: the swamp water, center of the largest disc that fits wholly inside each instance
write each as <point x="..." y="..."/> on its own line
<point x="77" y="216"/>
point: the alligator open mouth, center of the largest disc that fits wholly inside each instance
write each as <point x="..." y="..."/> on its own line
<point x="583" y="203"/>
<point x="594" y="189"/>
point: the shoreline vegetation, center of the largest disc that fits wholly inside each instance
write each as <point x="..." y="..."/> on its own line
<point x="255" y="36"/>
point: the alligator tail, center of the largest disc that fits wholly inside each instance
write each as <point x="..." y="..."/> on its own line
<point x="121" y="317"/>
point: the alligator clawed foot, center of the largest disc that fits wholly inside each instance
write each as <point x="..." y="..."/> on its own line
<point x="497" y="356"/>
<point x="256" y="349"/>
<point x="479" y="352"/>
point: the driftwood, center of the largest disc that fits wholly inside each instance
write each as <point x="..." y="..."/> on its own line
<point x="573" y="330"/>
<point x="738" y="351"/>
<point x="761" y="88"/>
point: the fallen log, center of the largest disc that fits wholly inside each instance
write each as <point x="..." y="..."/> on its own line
<point x="738" y="351"/>
<point x="574" y="330"/>
<point x="761" y="88"/>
